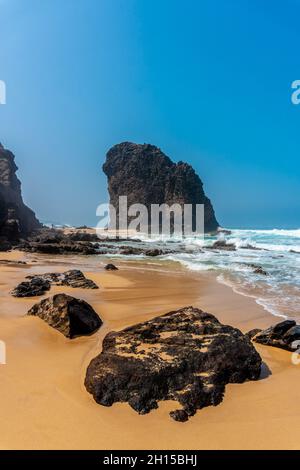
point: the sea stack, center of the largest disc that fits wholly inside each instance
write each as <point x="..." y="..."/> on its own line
<point x="147" y="176"/>
<point x="16" y="219"/>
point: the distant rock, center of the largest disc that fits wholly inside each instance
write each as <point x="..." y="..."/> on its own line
<point x="111" y="267"/>
<point x="70" y="316"/>
<point x="147" y="176"/>
<point x="16" y="219"/>
<point x="282" y="335"/>
<point x="35" y="287"/>
<point x="222" y="245"/>
<point x="186" y="355"/>
<point x="257" y="269"/>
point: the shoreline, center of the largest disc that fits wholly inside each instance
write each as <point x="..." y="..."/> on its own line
<point x="44" y="404"/>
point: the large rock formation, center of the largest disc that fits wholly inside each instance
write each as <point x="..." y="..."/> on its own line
<point x="16" y="219"/>
<point x="186" y="355"/>
<point x="147" y="176"/>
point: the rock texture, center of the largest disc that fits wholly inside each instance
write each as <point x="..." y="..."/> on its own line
<point x="185" y="355"/>
<point x="147" y="176"/>
<point x="16" y="219"/>
<point x="70" y="316"/>
<point x="38" y="285"/>
<point x="73" y="278"/>
<point x="282" y="335"/>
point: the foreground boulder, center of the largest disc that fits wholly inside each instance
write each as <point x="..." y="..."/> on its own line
<point x="186" y="355"/>
<point x="70" y="316"/>
<point x="282" y="335"/>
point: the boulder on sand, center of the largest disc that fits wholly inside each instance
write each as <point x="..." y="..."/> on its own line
<point x="70" y="316"/>
<point x="36" y="286"/>
<point x="111" y="267"/>
<point x="282" y="335"/>
<point x="185" y="355"/>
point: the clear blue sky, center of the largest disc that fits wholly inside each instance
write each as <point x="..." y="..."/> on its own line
<point x="207" y="81"/>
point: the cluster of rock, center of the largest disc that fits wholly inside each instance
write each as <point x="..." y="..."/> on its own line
<point x="16" y="219"/>
<point x="185" y="355"/>
<point x="41" y="283"/>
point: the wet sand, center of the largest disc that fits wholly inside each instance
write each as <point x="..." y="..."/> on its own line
<point x="43" y="402"/>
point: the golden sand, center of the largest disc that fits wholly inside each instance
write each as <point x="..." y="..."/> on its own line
<point x="43" y="402"/>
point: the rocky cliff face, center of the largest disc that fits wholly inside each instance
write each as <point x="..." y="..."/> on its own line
<point x="16" y="219"/>
<point x="147" y="176"/>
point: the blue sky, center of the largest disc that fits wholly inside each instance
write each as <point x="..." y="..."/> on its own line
<point x="209" y="82"/>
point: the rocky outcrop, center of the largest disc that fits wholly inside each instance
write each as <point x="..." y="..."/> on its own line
<point x="147" y="176"/>
<point x="282" y="335"/>
<point x="16" y="219"/>
<point x="39" y="284"/>
<point x="186" y="355"/>
<point x="70" y="316"/>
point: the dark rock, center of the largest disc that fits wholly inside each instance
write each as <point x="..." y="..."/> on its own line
<point x="222" y="245"/>
<point x="282" y="335"/>
<point x="186" y="355"/>
<point x="260" y="270"/>
<point x="16" y="219"/>
<point x="73" y="278"/>
<point x="179" y="415"/>
<point x="70" y="316"/>
<point x="82" y="248"/>
<point x="111" y="267"/>
<point x="131" y="251"/>
<point x="224" y="230"/>
<point x="253" y="333"/>
<point x="5" y="245"/>
<point x="154" y="252"/>
<point x="251" y="247"/>
<point x="147" y="176"/>
<point x="36" y="286"/>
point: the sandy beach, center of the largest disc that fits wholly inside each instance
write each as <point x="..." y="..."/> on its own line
<point x="43" y="402"/>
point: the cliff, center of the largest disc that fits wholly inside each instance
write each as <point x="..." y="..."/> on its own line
<point x="147" y="176"/>
<point x="16" y="219"/>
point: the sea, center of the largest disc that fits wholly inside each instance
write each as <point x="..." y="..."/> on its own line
<point x="276" y="251"/>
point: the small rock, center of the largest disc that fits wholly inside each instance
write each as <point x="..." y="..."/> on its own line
<point x="70" y="316"/>
<point x="253" y="332"/>
<point x="111" y="267"/>
<point x="179" y="415"/>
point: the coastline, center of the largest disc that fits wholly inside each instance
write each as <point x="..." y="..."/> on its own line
<point x="44" y="404"/>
